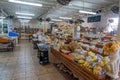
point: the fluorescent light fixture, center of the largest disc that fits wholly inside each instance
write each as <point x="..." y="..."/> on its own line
<point x="26" y="3"/>
<point x="86" y="12"/>
<point x="2" y="17"/>
<point x="22" y="20"/>
<point x="51" y="22"/>
<point x="56" y="20"/>
<point x="65" y="18"/>
<point x="22" y="17"/>
<point x="27" y="14"/>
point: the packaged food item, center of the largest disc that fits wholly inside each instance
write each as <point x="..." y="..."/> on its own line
<point x="87" y="64"/>
<point x="97" y="70"/>
<point x="107" y="67"/>
<point x="65" y="47"/>
<point x="73" y="45"/>
<point x="106" y="60"/>
<point x="91" y="53"/>
<point x="81" y="61"/>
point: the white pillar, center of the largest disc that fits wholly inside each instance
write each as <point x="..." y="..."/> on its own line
<point x="118" y="30"/>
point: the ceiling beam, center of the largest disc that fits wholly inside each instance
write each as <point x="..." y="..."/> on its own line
<point x="78" y="7"/>
<point x="94" y="2"/>
<point x="56" y="7"/>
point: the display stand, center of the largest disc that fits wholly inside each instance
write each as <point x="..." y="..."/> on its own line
<point x="76" y="69"/>
<point x="66" y="75"/>
<point x="6" y="45"/>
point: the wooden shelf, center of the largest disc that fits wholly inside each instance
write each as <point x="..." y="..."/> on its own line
<point x="80" y="71"/>
<point x="93" y="50"/>
<point x="97" y="45"/>
<point x="88" y="38"/>
<point x="66" y="75"/>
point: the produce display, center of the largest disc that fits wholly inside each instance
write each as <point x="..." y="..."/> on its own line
<point x="63" y="30"/>
<point x="48" y="39"/>
<point x="111" y="47"/>
<point x="113" y="50"/>
<point x="93" y="62"/>
<point x="70" y="47"/>
<point x="57" y="44"/>
<point x="91" y="51"/>
<point x="92" y="47"/>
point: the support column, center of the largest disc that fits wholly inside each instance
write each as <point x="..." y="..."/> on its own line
<point x="118" y="30"/>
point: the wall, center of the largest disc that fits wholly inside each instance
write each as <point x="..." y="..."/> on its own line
<point x="118" y="32"/>
<point x="32" y="23"/>
<point x="103" y="24"/>
<point x="16" y="23"/>
<point x="85" y="24"/>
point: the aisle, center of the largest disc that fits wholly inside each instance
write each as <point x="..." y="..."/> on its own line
<point x="22" y="64"/>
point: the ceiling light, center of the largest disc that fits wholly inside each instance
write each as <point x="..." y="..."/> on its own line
<point x="56" y="20"/>
<point x="65" y="18"/>
<point x="28" y="14"/>
<point x="86" y="12"/>
<point x="26" y="3"/>
<point x="2" y="17"/>
<point x="22" y="20"/>
<point x="22" y="17"/>
<point x="51" y="22"/>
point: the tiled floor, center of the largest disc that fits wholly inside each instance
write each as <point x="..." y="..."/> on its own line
<point x="22" y="64"/>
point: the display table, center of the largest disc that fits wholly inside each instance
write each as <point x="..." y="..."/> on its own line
<point x="76" y="69"/>
<point x="6" y="45"/>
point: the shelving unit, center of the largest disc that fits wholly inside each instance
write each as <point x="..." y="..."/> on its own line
<point x="66" y="75"/>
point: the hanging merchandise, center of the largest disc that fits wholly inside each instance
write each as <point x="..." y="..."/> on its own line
<point x="77" y="28"/>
